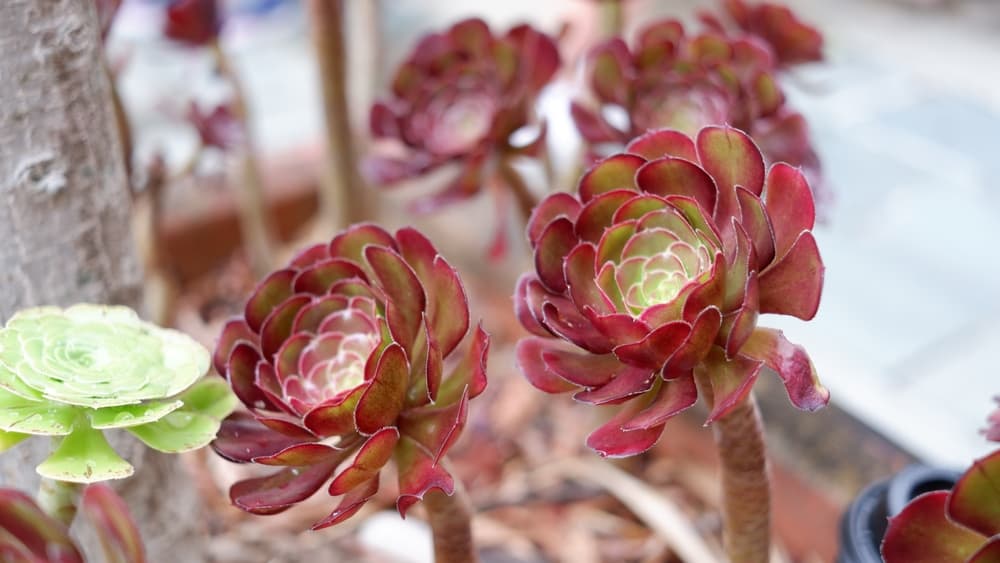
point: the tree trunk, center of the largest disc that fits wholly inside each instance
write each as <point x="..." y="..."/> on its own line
<point x="64" y="222"/>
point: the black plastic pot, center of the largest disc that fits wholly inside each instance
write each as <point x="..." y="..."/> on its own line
<point x="864" y="522"/>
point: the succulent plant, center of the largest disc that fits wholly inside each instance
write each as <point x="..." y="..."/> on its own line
<point x="459" y="98"/>
<point x="193" y="22"/>
<point x="961" y="525"/>
<point x="28" y="535"/>
<point x="73" y="373"/>
<point x="219" y="128"/>
<point x="346" y="358"/>
<point x="792" y="40"/>
<point x="675" y="80"/>
<point x="652" y="279"/>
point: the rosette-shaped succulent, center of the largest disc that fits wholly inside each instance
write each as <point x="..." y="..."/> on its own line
<point x="652" y="279"/>
<point x="347" y="358"/>
<point x="193" y="22"/>
<point x="674" y="80"/>
<point x="961" y="525"/>
<point x="28" y="535"/>
<point x="792" y="40"/>
<point x="459" y="98"/>
<point x="73" y="373"/>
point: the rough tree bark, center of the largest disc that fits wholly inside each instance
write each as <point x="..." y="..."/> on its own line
<point x="64" y="223"/>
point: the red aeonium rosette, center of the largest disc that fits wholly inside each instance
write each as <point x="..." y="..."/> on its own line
<point x="193" y="22"/>
<point x="459" y="98"/>
<point x="679" y="81"/>
<point x="792" y="40"/>
<point x="347" y="358"/>
<point x="652" y="279"/>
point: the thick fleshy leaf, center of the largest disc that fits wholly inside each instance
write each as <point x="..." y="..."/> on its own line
<point x="350" y="504"/>
<point x="334" y="417"/>
<point x="84" y="456"/>
<point x="233" y="332"/>
<point x="581" y="276"/>
<point x="318" y="278"/>
<point x="179" y="431"/>
<point x="793" y="284"/>
<point x="528" y="296"/>
<point x="553" y="206"/>
<point x="25" y="416"/>
<point x="302" y="455"/>
<point x="663" y="142"/>
<point x="528" y="354"/>
<point x="436" y="429"/>
<point x="790" y="205"/>
<point x="581" y="368"/>
<point x="277" y="492"/>
<point x="382" y="121"/>
<point x="133" y="415"/>
<point x="988" y="553"/>
<point x="110" y="517"/>
<point x="371" y="457"/>
<point x="757" y="225"/>
<point x="673" y="397"/>
<point x="732" y="159"/>
<point x="30" y="534"/>
<point x="447" y="304"/>
<point x="652" y="351"/>
<point x="352" y="242"/>
<point x="466" y="184"/>
<point x="555" y="243"/>
<point x="698" y="343"/>
<point x="270" y="292"/>
<point x="242" y="371"/>
<point x="730" y="380"/>
<point x="618" y="329"/>
<point x="278" y="325"/>
<point x="592" y="127"/>
<point x="922" y="533"/>
<point x="611" y="71"/>
<point x="612" y="173"/>
<point x="562" y="317"/>
<point x="405" y="296"/>
<point x="418" y="474"/>
<point x="792" y="364"/>
<point x="610" y="440"/>
<point x="385" y="396"/>
<point x="677" y="176"/>
<point x="241" y="439"/>
<point x="596" y="215"/>
<point x="210" y="397"/>
<point x="470" y="373"/>
<point x="975" y="499"/>
<point x="10" y="439"/>
<point x="630" y="382"/>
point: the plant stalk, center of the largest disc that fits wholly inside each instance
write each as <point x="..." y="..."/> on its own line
<point x="341" y="189"/>
<point x="254" y="222"/>
<point x="450" y="518"/>
<point x="612" y="14"/>
<point x="746" y="506"/>
<point x="59" y="499"/>
<point x="526" y="201"/>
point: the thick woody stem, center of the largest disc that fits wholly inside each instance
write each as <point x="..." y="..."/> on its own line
<point x="526" y="201"/>
<point x="746" y="507"/>
<point x="254" y="222"/>
<point x="59" y="499"/>
<point x="341" y="190"/>
<point x="450" y="518"/>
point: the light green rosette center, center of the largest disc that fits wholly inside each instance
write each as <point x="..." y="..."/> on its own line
<point x="72" y="373"/>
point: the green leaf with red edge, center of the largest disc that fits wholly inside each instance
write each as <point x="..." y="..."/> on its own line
<point x="754" y="219"/>
<point x="447" y="303"/>
<point x="612" y="173"/>
<point x="26" y="531"/>
<point x="334" y="417"/>
<point x="592" y="127"/>
<point x="370" y="458"/>
<point x="301" y="455"/>
<point x="677" y="176"/>
<point x="662" y="143"/>
<point x="436" y="429"/>
<point x="738" y="326"/>
<point x="232" y="333"/>
<point x="596" y="216"/>
<point x="582" y="278"/>
<point x="730" y="380"/>
<point x="553" y="206"/>
<point x="732" y="159"/>
<point x="471" y="35"/>
<point x="790" y="205"/>
<point x="672" y="398"/>
<point x="557" y="240"/>
<point x="793" y="285"/>
<point x="792" y="364"/>
<point x="110" y="517"/>
<point x="704" y="331"/>
<point x="270" y="292"/>
<point x="405" y="298"/>
<point x="385" y="396"/>
<point x="351" y="243"/>
<point x="469" y="373"/>
<point x="279" y="491"/>
<point x="318" y="278"/>
<point x="611" y="71"/>
<point x="241" y="372"/>
<point x="988" y="553"/>
<point x="922" y="533"/>
<point x="975" y="498"/>
<point x="278" y="325"/>
<point x="528" y="357"/>
<point x="611" y="440"/>
<point x="652" y="351"/>
<point x="629" y="382"/>
<point x="350" y="504"/>
<point x="418" y="474"/>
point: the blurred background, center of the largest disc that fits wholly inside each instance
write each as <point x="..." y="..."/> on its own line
<point x="904" y="112"/>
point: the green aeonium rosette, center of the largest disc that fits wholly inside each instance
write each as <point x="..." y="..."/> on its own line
<point x="73" y="373"/>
